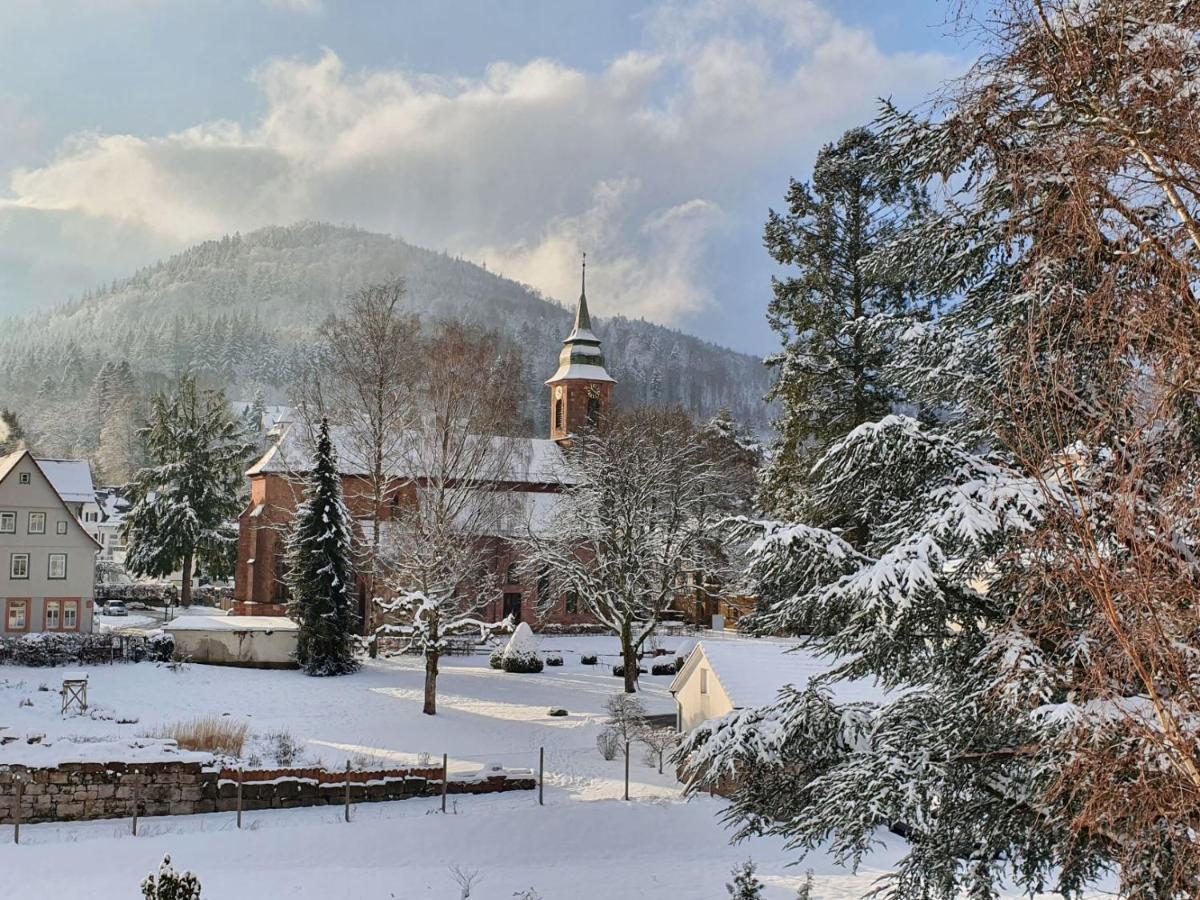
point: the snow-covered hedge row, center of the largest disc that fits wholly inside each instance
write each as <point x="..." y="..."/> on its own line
<point x="578" y="628"/>
<point x="55" y="649"/>
<point x="159" y="593"/>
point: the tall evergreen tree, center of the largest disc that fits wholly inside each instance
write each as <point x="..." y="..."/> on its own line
<point x="185" y="501"/>
<point x="829" y="374"/>
<point x="320" y="572"/>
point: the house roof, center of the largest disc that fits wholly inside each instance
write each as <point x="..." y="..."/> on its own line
<point x="531" y="461"/>
<point x="9" y="462"/>
<point x="753" y="671"/>
<point x="72" y="478"/>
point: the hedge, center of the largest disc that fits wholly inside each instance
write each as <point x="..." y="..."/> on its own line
<point x="64" y="649"/>
<point x="160" y="593"/>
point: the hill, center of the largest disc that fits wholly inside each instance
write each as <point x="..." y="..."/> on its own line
<point x="241" y="312"/>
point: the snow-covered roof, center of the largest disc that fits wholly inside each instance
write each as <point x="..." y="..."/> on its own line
<point x="9" y="462"/>
<point x="71" y="478"/>
<point x="519" y="460"/>
<point x="579" y="370"/>
<point x="231" y="623"/>
<point x="752" y="671"/>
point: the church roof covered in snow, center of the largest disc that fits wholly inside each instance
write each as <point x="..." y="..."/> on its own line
<point x="532" y="461"/>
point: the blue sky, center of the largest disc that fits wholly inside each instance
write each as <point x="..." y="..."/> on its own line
<point x="654" y="135"/>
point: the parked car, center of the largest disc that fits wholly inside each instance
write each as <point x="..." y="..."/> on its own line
<point x="116" y="608"/>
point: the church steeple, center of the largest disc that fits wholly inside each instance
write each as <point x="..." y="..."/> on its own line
<point x="581" y="388"/>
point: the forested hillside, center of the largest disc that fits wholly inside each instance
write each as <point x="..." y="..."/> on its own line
<point x="240" y="313"/>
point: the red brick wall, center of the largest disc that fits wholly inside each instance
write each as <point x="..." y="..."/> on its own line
<point x="575" y="397"/>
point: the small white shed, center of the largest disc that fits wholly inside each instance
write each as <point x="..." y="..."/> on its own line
<point x="720" y="676"/>
<point x="258" y="642"/>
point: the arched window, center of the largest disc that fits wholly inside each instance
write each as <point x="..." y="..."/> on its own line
<point x="512" y="575"/>
<point x="543" y="585"/>
<point x="558" y="414"/>
<point x="593" y="409"/>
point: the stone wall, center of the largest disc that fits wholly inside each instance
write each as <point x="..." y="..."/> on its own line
<point x="78" y="791"/>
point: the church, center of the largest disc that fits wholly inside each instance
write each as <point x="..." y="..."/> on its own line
<point x="580" y="392"/>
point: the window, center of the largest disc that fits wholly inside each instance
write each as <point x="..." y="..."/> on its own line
<point x="572" y="602"/>
<point x="704" y="681"/>
<point x="543" y="585"/>
<point x="18" y="565"/>
<point x="511" y="575"/>
<point x="52" y="620"/>
<point x="56" y="569"/>
<point x="558" y="414"/>
<point x="70" y="615"/>
<point x="16" y="614"/>
<point x="8" y="523"/>
<point x="37" y="523"/>
<point x="61" y="527"/>
<point x="23" y="478"/>
<point x="593" y="410"/>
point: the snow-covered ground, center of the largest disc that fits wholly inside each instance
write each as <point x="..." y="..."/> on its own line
<point x="584" y="843"/>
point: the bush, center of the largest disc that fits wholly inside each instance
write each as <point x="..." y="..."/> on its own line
<point x="211" y="734"/>
<point x="588" y="659"/>
<point x="521" y="654"/>
<point x="523" y="665"/>
<point x="619" y="670"/>
<point x="667" y="668"/>
<point x="69" y="648"/>
<point x="554" y="659"/>
<point x="170" y="885"/>
<point x="496" y="659"/>
<point x="746" y="885"/>
<point x="608" y="742"/>
<point x="578" y="628"/>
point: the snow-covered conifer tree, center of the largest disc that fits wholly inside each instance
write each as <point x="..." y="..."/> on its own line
<point x="185" y="501"/>
<point x="320" y="572"/>
<point x="1025" y="600"/>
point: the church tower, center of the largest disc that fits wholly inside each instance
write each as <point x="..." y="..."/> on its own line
<point x="581" y="390"/>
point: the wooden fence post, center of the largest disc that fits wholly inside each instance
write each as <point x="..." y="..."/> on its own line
<point x="135" y="802"/>
<point x="627" y="770"/>
<point x="347" y="790"/>
<point x="445" y="778"/>
<point x="239" y="798"/>
<point x="541" y="774"/>
<point x="20" y="784"/>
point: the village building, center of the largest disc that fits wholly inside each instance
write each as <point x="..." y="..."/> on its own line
<point x="47" y="558"/>
<point x="580" y="393"/>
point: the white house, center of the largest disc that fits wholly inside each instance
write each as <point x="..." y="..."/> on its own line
<point x="720" y="676"/>
<point x="47" y="559"/>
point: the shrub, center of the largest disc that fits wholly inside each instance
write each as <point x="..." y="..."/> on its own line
<point x="170" y="885"/>
<point x="496" y="660"/>
<point x="211" y="734"/>
<point x="619" y="670"/>
<point x="608" y="742"/>
<point x="746" y="885"/>
<point x="667" y="668"/>
<point x="578" y="628"/>
<point x="72" y="648"/>
<point x="523" y="665"/>
<point x="588" y="659"/>
<point x="521" y="654"/>
<point x="554" y="659"/>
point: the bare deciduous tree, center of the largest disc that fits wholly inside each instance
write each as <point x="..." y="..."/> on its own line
<point x="459" y="455"/>
<point x="363" y="383"/>
<point x="637" y="512"/>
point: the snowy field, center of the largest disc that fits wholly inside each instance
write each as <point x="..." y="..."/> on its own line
<point x="586" y="843"/>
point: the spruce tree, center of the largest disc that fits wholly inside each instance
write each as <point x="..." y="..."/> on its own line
<point x="829" y="308"/>
<point x="186" y="501"/>
<point x="319" y="570"/>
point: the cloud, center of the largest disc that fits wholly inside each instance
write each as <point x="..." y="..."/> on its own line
<point x="647" y="163"/>
<point x="309" y="7"/>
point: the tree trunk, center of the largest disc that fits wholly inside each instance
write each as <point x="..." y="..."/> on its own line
<point x="185" y="590"/>
<point x="629" y="655"/>
<point x="431" y="673"/>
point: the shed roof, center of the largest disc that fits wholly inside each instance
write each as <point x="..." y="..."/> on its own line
<point x="753" y="671"/>
<point x="231" y="623"/>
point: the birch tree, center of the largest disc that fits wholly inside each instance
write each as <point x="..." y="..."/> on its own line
<point x="639" y="509"/>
